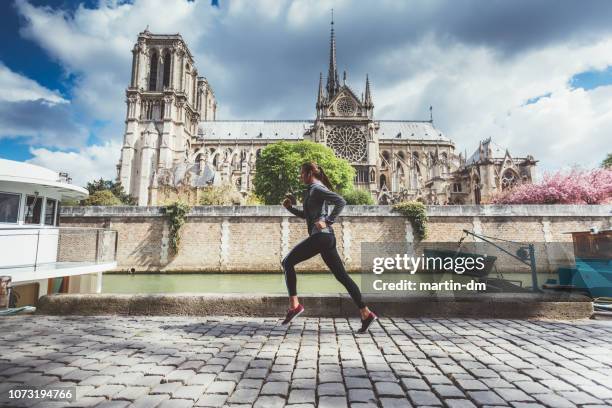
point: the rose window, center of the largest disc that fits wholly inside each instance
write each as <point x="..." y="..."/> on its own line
<point x="509" y="179"/>
<point x="345" y="106"/>
<point x="348" y="142"/>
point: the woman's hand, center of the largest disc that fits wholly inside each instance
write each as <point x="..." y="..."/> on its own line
<point x="321" y="224"/>
<point x="287" y="203"/>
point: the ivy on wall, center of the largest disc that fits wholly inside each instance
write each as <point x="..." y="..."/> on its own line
<point x="416" y="214"/>
<point x="176" y="213"/>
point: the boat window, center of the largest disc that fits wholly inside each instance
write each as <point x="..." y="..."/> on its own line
<point x="32" y="210"/>
<point x="50" y="211"/>
<point x="57" y="213"/>
<point x="9" y="207"/>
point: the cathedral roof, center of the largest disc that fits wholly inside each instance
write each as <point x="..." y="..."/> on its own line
<point x="409" y="129"/>
<point x="254" y="129"/>
<point x="295" y="130"/>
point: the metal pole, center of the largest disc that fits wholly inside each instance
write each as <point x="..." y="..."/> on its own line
<point x="534" y="274"/>
<point x="36" y="255"/>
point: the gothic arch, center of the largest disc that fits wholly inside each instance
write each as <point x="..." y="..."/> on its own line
<point x="153" y="68"/>
<point x="166" y="65"/>
<point x="383" y="181"/>
<point x="386" y="158"/>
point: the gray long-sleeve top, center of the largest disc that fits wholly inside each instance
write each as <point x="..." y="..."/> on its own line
<point x="316" y="199"/>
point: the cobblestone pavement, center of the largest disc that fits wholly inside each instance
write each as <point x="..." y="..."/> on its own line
<point x="223" y="361"/>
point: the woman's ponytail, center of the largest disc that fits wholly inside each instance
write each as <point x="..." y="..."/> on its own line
<point x="325" y="179"/>
<point x="318" y="173"/>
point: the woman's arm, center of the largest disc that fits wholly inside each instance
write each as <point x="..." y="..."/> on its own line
<point x="295" y="211"/>
<point x="289" y="206"/>
<point x="335" y="199"/>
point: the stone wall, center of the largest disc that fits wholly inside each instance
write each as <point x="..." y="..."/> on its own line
<point x="255" y="239"/>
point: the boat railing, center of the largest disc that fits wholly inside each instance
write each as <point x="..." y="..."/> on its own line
<point x="33" y="247"/>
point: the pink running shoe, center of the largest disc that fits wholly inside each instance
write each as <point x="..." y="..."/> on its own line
<point x="293" y="313"/>
<point x="365" y="324"/>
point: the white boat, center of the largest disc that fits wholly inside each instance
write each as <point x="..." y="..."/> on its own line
<point x="38" y="255"/>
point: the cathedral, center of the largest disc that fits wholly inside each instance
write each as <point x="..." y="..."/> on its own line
<point x="174" y="145"/>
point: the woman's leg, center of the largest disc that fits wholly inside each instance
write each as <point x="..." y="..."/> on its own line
<point x="334" y="263"/>
<point x="301" y="252"/>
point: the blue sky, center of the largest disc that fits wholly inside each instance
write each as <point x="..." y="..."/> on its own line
<point x="534" y="76"/>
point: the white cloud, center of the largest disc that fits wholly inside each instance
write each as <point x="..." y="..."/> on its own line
<point x="15" y="87"/>
<point x="85" y="165"/>
<point x="255" y="54"/>
<point x="477" y="93"/>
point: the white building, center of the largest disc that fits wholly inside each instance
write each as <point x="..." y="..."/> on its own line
<point x="37" y="254"/>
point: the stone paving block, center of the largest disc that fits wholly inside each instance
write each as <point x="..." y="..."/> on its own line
<point x="459" y="403"/>
<point x="200" y="379"/>
<point x="395" y="403"/>
<point x="268" y="401"/>
<point x="211" y="400"/>
<point x="414" y="384"/>
<point x="304" y="384"/>
<point x="275" y="388"/>
<point x="332" y="402"/>
<point x="149" y="401"/>
<point x="192" y="392"/>
<point x="388" y="389"/>
<point x="361" y="395"/>
<point x="486" y="398"/>
<point x="421" y="398"/>
<point x="244" y="396"/>
<point x="448" y="391"/>
<point x="331" y="389"/>
<point x="176" y="403"/>
<point x="131" y="393"/>
<point x="580" y="398"/>
<point x="553" y="400"/>
<point x="221" y="387"/>
<point x="301" y="396"/>
<point x="181" y="376"/>
<point x="117" y="404"/>
<point x="107" y="391"/>
<point x="357" y="382"/>
<point x="513" y="394"/>
<point x="165" y="388"/>
<point x="87" y="402"/>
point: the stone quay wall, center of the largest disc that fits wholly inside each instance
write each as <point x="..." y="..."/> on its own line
<point x="256" y="238"/>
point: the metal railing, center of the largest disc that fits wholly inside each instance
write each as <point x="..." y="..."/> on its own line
<point x="33" y="246"/>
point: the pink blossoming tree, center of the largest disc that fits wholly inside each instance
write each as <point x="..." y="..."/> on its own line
<point x="573" y="187"/>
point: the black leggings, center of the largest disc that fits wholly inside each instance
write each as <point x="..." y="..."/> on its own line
<point x="324" y="244"/>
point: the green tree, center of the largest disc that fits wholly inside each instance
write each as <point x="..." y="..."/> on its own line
<point x="607" y="163"/>
<point x="115" y="188"/>
<point x="278" y="169"/>
<point x="357" y="196"/>
<point x="102" y="197"/>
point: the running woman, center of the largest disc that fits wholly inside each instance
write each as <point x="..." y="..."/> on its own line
<point x="321" y="240"/>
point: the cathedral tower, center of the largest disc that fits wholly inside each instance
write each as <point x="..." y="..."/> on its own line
<point x="165" y="102"/>
<point x="345" y="122"/>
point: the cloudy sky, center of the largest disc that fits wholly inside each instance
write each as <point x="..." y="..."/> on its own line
<point x="536" y="76"/>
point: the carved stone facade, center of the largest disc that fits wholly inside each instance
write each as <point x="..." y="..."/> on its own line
<point x="174" y="145"/>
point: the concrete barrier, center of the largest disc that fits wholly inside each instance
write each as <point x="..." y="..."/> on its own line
<point x="511" y="306"/>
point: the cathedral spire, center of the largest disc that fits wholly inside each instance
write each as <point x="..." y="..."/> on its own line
<point x="368" y="96"/>
<point x="332" y="74"/>
<point x="321" y="95"/>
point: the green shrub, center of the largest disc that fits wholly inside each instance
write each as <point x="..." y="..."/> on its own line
<point x="357" y="196"/>
<point x="176" y="213"/>
<point x="416" y="214"/>
<point x="102" y="197"/>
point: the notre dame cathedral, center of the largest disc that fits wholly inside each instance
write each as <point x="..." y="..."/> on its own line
<point x="174" y="145"/>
